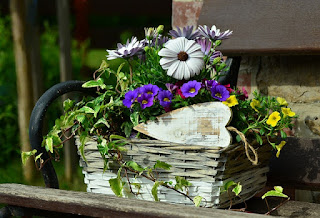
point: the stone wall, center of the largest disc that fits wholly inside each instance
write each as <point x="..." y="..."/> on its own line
<point x="295" y="78"/>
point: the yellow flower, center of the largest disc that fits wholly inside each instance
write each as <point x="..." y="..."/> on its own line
<point x="231" y="101"/>
<point x="282" y="101"/>
<point x="254" y="104"/>
<point x="273" y="119"/>
<point x="279" y="147"/>
<point x="287" y="112"/>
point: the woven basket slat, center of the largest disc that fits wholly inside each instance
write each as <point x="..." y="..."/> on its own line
<point x="206" y="168"/>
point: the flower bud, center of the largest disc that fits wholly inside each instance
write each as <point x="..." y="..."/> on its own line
<point x="160" y="29"/>
<point x="146" y="48"/>
<point x="149" y="33"/>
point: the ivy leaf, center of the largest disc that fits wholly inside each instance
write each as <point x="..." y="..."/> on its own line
<point x="135" y="166"/>
<point x="134" y="117"/>
<point x="277" y="192"/>
<point x="68" y="104"/>
<point x="237" y="189"/>
<point x="181" y="182"/>
<point x="49" y="144"/>
<point x="162" y="165"/>
<point x="116" y="186"/>
<point x="26" y="154"/>
<point x="283" y="134"/>
<point x="80" y="118"/>
<point x="197" y="200"/>
<point x="228" y="185"/>
<point x="95" y="83"/>
<point x="154" y="190"/>
<point x="87" y="110"/>
<point x="102" y="121"/>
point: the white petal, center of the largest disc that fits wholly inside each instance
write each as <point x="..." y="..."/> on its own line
<point x="187" y="71"/>
<point x="196" y="54"/>
<point x="189" y="44"/>
<point x="195" y="64"/>
<point x="167" y="62"/>
<point x="173" y="68"/>
<point x="177" y="44"/>
<point x="179" y="72"/>
<point x="165" y="52"/>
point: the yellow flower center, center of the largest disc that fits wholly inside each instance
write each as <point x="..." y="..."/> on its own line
<point x="166" y="99"/>
<point x="192" y="90"/>
<point x="218" y="95"/>
<point x="144" y="102"/>
<point x="182" y="56"/>
<point x="150" y="93"/>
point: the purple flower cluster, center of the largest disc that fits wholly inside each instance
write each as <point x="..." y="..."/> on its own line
<point x="146" y="96"/>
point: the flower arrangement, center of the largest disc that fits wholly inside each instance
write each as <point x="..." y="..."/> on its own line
<point x="156" y="75"/>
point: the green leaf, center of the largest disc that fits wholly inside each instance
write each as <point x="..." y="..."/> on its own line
<point x="228" y="185"/>
<point x="283" y="134"/>
<point x="197" y="200"/>
<point x="95" y="83"/>
<point x="80" y="118"/>
<point x="134" y="117"/>
<point x="38" y="157"/>
<point x="116" y="186"/>
<point x="274" y="193"/>
<point x="181" y="182"/>
<point x="26" y="154"/>
<point x="237" y="189"/>
<point x="87" y="110"/>
<point x="135" y="166"/>
<point x="154" y="191"/>
<point x="49" y="144"/>
<point x="278" y="189"/>
<point x="102" y="121"/>
<point x="116" y="137"/>
<point x="68" y="104"/>
<point x="162" y="165"/>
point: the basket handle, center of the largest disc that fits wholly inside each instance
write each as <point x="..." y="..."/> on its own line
<point x="36" y="124"/>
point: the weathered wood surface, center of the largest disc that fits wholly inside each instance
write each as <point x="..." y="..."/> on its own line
<point x="198" y="124"/>
<point x="99" y="205"/>
<point x="265" y="27"/>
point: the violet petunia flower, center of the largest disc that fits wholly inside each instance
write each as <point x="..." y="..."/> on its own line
<point x="145" y="100"/>
<point x="149" y="89"/>
<point x="129" y="98"/>
<point x="191" y="88"/>
<point x="131" y="48"/>
<point x="165" y="98"/>
<point x="213" y="33"/>
<point x="186" y="32"/>
<point x="220" y="92"/>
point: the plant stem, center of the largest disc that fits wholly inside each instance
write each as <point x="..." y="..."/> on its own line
<point x="275" y="208"/>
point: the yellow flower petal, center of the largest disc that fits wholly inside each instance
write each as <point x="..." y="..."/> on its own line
<point x="254" y="104"/>
<point x="231" y="101"/>
<point x="279" y="147"/>
<point x="282" y="101"/>
<point x="287" y="112"/>
<point x="273" y="119"/>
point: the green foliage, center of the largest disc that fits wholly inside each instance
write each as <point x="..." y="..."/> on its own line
<point x="277" y="192"/>
<point x="154" y="191"/>
<point x="197" y="200"/>
<point x="237" y="188"/>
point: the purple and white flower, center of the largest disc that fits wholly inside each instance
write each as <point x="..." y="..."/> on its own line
<point x="171" y="87"/>
<point x="165" y="98"/>
<point x="210" y="83"/>
<point x="220" y="92"/>
<point x="129" y="98"/>
<point x="216" y="54"/>
<point x="131" y="48"/>
<point x="191" y="88"/>
<point x="206" y="45"/>
<point x="187" y="32"/>
<point x="182" y="58"/>
<point x="213" y="33"/>
<point x="145" y="100"/>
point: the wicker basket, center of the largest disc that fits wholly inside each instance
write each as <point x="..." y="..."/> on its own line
<point x="207" y="168"/>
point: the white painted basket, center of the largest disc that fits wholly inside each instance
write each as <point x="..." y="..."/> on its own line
<point x="207" y="168"/>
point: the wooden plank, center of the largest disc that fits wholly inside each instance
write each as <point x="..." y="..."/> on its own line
<point x="265" y="27"/>
<point x="99" y="205"/>
<point x="298" y="165"/>
<point x="200" y="124"/>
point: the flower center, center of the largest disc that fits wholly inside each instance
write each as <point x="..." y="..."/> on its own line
<point x="183" y="56"/>
<point x="192" y="90"/>
<point x="218" y="95"/>
<point x="150" y="93"/>
<point x="166" y="99"/>
<point x="144" y="102"/>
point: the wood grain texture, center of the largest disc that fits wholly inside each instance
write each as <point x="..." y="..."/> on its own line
<point x="199" y="124"/>
<point x="265" y="27"/>
<point x="98" y="205"/>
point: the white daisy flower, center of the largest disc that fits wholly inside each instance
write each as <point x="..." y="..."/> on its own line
<point x="182" y="58"/>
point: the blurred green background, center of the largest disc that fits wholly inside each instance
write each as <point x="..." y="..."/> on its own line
<point x="103" y="25"/>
